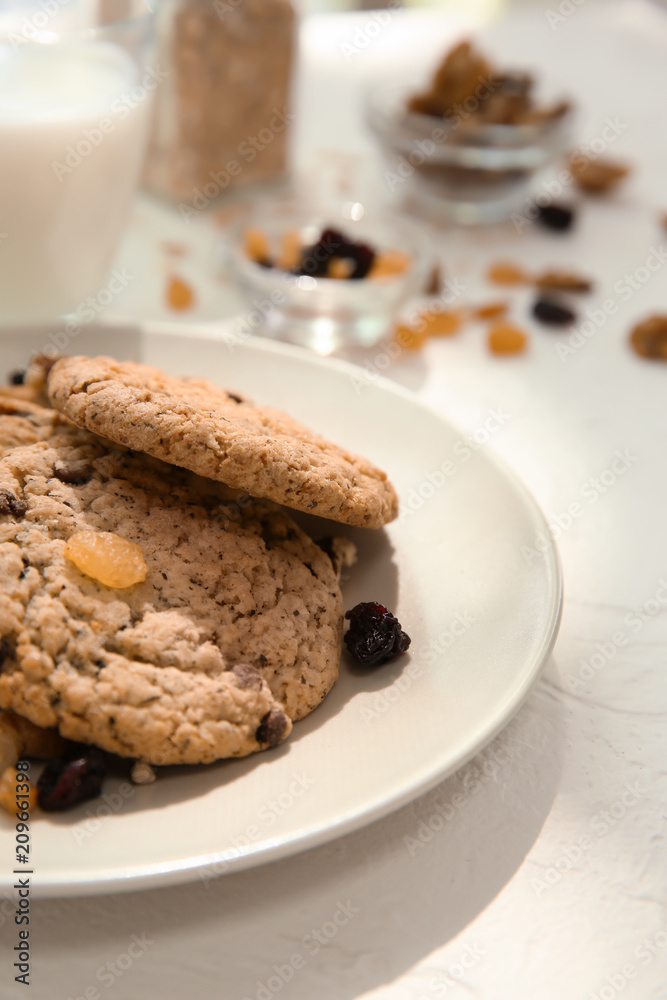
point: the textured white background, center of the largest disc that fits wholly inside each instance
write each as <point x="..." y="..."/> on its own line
<point x="471" y="913"/>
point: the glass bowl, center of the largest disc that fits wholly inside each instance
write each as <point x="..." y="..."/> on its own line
<point x="325" y="314"/>
<point x="466" y="173"/>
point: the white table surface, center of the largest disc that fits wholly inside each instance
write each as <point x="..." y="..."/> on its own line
<point x="549" y="878"/>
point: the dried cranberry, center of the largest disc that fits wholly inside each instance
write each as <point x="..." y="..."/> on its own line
<point x="552" y="313"/>
<point x="374" y="635"/>
<point x="558" y="217"/>
<point x="65" y="783"/>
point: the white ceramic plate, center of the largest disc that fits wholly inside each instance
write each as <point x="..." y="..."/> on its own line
<point x="482" y="617"/>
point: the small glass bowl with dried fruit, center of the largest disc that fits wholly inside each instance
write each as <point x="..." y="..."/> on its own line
<point x="469" y="144"/>
<point x="326" y="278"/>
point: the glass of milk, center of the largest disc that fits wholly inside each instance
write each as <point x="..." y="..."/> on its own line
<point x="76" y="84"/>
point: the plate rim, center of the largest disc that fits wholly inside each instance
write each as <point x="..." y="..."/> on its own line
<point x="160" y="875"/>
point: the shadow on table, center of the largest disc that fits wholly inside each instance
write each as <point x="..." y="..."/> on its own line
<point x="355" y="914"/>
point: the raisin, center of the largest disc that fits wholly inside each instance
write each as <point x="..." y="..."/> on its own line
<point x="552" y="313"/>
<point x="10" y="503"/>
<point x="105" y="556"/>
<point x="75" y="474"/>
<point x="17" y="377"/>
<point x="271" y="729"/>
<point x="556" y="217"/>
<point x="375" y="635"/>
<point x="65" y="782"/>
<point x="506" y="338"/>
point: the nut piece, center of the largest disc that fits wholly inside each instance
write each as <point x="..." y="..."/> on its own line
<point x="565" y="281"/>
<point x="596" y="176"/>
<point x="649" y="338"/>
<point x="107" y="557"/>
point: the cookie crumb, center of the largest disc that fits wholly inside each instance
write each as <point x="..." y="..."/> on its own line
<point x="142" y="773"/>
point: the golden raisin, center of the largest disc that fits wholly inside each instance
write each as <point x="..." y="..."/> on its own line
<point x="8" y="780"/>
<point x="649" y="338"/>
<point x="389" y="263"/>
<point x="339" y="267"/>
<point x="179" y="294"/>
<point x="290" y="250"/>
<point x="506" y="273"/>
<point x="255" y="244"/>
<point x="440" y="322"/>
<point x="107" y="557"/>
<point x="505" y="338"/>
<point x="409" y="337"/>
<point x="492" y="310"/>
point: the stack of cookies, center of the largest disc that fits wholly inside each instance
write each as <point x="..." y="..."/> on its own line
<point x="155" y="601"/>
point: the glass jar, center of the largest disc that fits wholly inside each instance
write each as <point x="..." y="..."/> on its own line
<point x="222" y="113"/>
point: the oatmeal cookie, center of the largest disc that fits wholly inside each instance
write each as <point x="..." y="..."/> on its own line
<point x="235" y="631"/>
<point x="197" y="425"/>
